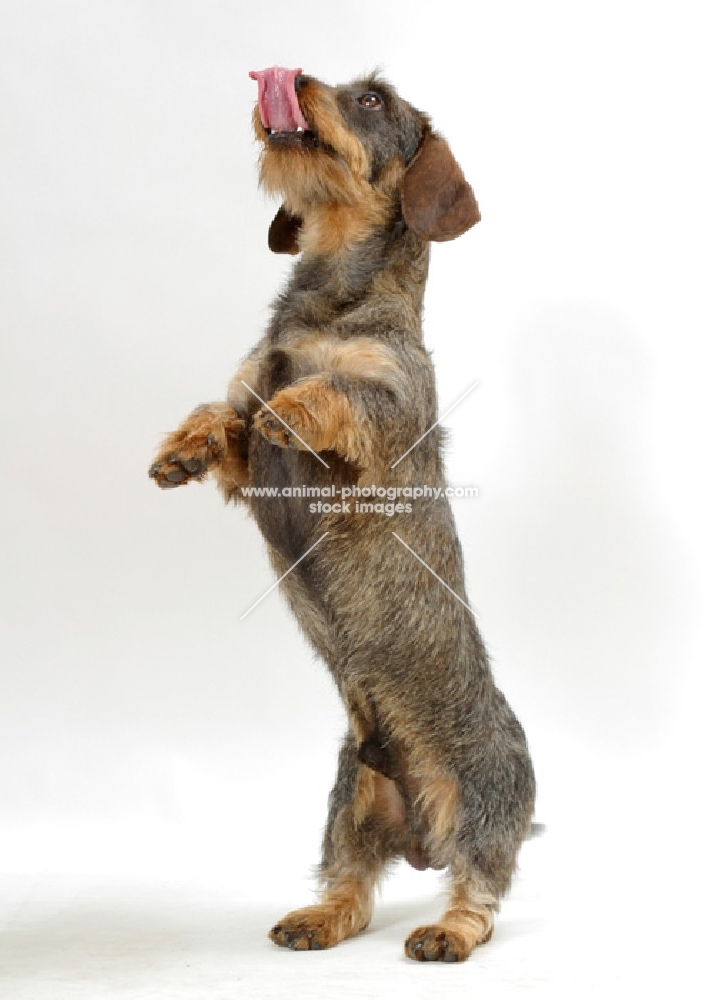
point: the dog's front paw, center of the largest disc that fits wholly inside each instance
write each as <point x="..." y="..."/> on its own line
<point x="289" y="420"/>
<point x="196" y="447"/>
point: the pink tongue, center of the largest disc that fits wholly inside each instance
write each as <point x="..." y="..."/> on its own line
<point x="277" y="100"/>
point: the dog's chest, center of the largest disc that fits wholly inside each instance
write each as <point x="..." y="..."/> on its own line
<point x="290" y="518"/>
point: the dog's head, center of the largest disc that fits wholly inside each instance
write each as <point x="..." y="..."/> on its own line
<point x="346" y="159"/>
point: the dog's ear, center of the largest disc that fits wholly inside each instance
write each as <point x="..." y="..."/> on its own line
<point x="437" y="202"/>
<point x="283" y="232"/>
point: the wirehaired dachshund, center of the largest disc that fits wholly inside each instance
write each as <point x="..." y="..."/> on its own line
<point x="434" y="766"/>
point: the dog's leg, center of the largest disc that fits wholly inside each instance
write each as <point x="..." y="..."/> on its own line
<point x="364" y="830"/>
<point x="475" y="824"/>
<point x="467" y="921"/>
<point x="212" y="439"/>
<point x="365" y="420"/>
<point x="311" y="415"/>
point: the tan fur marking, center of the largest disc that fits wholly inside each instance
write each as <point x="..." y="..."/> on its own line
<point x="376" y="795"/>
<point x="359" y="357"/>
<point x="388" y="803"/>
<point x="323" y="418"/>
<point x="258" y="129"/>
<point x="467" y="922"/>
<point x="320" y="108"/>
<point x="328" y="228"/>
<point x="204" y="442"/>
<point x="248" y="371"/>
<point x="345" y="909"/>
<point x="439" y="800"/>
<point x="474" y="924"/>
<point x="469" y="894"/>
<point x="435" y="794"/>
<point x="470" y="910"/>
<point x="304" y="178"/>
<point x="365" y="794"/>
<point x="359" y="710"/>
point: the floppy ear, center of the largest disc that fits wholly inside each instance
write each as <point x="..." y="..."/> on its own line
<point x="283" y="232"/>
<point x="437" y="202"/>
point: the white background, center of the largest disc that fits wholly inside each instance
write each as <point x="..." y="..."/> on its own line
<point x="164" y="767"/>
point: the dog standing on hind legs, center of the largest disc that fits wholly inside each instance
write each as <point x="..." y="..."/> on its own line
<point x="435" y="766"/>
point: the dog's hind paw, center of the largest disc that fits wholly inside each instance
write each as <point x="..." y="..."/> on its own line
<point x="317" y="927"/>
<point x="442" y="943"/>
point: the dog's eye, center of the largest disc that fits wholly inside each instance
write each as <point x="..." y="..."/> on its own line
<point x="371" y="100"/>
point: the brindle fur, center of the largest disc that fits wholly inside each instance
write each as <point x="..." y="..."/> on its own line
<point x="434" y="766"/>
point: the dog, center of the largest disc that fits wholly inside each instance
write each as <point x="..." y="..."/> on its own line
<point x="434" y="767"/>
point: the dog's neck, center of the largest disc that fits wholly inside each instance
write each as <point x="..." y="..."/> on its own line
<point x="332" y="228"/>
<point x="339" y="277"/>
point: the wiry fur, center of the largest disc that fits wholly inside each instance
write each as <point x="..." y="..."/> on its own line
<point x="434" y="765"/>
